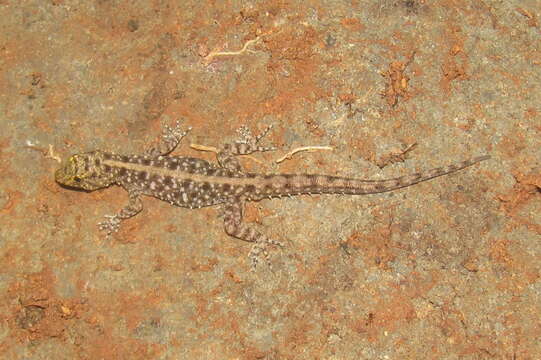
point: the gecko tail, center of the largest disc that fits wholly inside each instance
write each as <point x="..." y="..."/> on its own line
<point x="379" y="186"/>
<point x="298" y="184"/>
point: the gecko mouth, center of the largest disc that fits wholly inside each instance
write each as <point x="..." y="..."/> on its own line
<point x="73" y="188"/>
<point x="62" y="179"/>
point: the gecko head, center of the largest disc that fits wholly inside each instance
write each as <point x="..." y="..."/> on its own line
<point x="83" y="171"/>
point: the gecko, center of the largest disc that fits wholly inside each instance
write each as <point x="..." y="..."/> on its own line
<point x="195" y="183"/>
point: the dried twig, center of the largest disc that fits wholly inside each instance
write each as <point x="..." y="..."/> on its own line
<point x="395" y="156"/>
<point x="204" y="148"/>
<point x="47" y="153"/>
<point x="303" y="148"/>
<point x="244" y="49"/>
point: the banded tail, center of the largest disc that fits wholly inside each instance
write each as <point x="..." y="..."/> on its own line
<point x="296" y="184"/>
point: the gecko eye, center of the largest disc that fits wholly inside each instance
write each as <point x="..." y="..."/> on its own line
<point x="77" y="179"/>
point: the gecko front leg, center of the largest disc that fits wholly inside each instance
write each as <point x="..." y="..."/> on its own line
<point x="134" y="206"/>
<point x="235" y="227"/>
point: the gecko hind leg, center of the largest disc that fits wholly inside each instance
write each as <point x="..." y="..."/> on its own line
<point x="247" y="144"/>
<point x="168" y="140"/>
<point x="235" y="227"/>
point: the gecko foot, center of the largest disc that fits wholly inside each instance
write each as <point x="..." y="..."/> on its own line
<point x="246" y="137"/>
<point x="259" y="249"/>
<point x="175" y="133"/>
<point x="111" y="225"/>
<point x="169" y="140"/>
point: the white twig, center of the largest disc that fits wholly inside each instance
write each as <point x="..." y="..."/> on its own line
<point x="213" y="54"/>
<point x="303" y="148"/>
<point x="204" y="148"/>
<point x="52" y="155"/>
<point x="47" y="153"/>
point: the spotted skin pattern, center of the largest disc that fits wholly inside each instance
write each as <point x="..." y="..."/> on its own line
<point x="195" y="183"/>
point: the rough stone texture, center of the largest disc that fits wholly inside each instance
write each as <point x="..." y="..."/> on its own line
<point x="448" y="269"/>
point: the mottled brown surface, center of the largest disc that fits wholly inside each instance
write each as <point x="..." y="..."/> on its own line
<point x="444" y="270"/>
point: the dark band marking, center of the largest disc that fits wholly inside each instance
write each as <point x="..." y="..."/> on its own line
<point x="172" y="165"/>
<point x="168" y="180"/>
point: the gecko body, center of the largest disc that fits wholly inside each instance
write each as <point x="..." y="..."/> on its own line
<point x="195" y="183"/>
